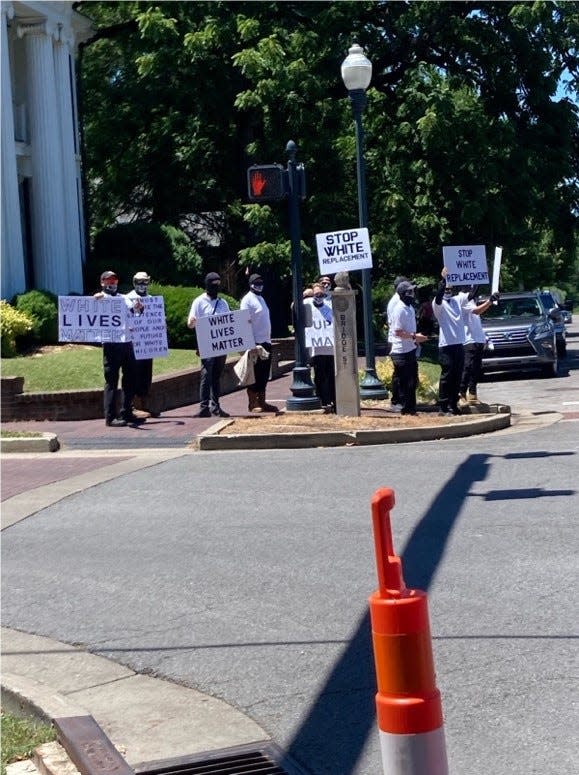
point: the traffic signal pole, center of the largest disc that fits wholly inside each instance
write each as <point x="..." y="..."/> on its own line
<point x="303" y="396"/>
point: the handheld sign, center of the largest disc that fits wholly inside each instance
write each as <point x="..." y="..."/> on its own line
<point x="228" y="332"/>
<point x="466" y="264"/>
<point x="321" y="332"/>
<point x="344" y="251"/>
<point x="148" y="328"/>
<point x="496" y="269"/>
<point x="90" y="320"/>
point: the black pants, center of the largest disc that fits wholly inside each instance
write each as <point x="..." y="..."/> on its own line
<point x="472" y="369"/>
<point x="117" y="356"/>
<point x="262" y="369"/>
<point x="451" y="360"/>
<point x="143" y="376"/>
<point x="406" y="373"/>
<point x="210" y="382"/>
<point x="324" y="379"/>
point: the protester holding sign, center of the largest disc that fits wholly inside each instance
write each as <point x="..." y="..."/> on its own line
<point x="117" y="356"/>
<point x="143" y="366"/>
<point x="447" y="308"/>
<point x="322" y="351"/>
<point x="206" y="304"/>
<point x="261" y="324"/>
<point x="474" y="345"/>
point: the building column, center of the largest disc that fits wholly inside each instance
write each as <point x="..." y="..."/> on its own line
<point x="12" y="256"/>
<point x="70" y="195"/>
<point x="48" y="224"/>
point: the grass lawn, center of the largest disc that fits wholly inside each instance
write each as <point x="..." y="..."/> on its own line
<point x="21" y="736"/>
<point x="78" y="367"/>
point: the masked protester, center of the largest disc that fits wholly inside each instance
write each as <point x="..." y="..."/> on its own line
<point x="404" y="342"/>
<point x="448" y="310"/>
<point x="261" y="324"/>
<point x="209" y="303"/>
<point x="322" y="355"/>
<point x="143" y="367"/>
<point x="117" y="356"/>
<point x="395" y="403"/>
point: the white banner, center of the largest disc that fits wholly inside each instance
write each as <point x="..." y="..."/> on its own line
<point x="86" y="319"/>
<point x="497" y="269"/>
<point x="148" y="327"/>
<point x="344" y="251"/>
<point x="466" y="264"/>
<point x="228" y="332"/>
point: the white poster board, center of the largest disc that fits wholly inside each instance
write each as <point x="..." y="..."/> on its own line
<point x="90" y="320"/>
<point x="466" y="264"/>
<point x="228" y="332"/>
<point x="344" y="251"/>
<point x="497" y="269"/>
<point x="321" y="332"/>
<point x="148" y="328"/>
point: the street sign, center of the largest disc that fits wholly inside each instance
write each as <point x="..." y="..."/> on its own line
<point x="266" y="183"/>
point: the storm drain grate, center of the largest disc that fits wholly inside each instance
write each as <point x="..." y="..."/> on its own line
<point x="240" y="760"/>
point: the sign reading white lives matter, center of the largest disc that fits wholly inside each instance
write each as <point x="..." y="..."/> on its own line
<point x="466" y="264"/>
<point x="344" y="251"/>
<point x="228" y="332"/>
<point x="86" y="319"/>
<point x="148" y="328"/>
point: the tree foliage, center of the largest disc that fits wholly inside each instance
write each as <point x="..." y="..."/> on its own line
<point x="467" y="136"/>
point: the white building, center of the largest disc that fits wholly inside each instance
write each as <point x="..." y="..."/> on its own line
<point x="42" y="221"/>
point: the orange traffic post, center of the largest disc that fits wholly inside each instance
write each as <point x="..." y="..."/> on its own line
<point x="408" y="704"/>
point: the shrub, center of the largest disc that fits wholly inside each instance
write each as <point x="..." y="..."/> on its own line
<point x="178" y="302"/>
<point x="14" y="324"/>
<point x="163" y="251"/>
<point x="425" y="390"/>
<point x="42" y="308"/>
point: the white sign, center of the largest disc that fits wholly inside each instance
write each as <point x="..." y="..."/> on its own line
<point x="321" y="332"/>
<point x="228" y="332"/>
<point x="466" y="264"/>
<point x="148" y="327"/>
<point x="497" y="269"/>
<point x="86" y="319"/>
<point x="344" y="251"/>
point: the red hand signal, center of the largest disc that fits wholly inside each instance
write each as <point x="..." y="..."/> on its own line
<point x="258" y="182"/>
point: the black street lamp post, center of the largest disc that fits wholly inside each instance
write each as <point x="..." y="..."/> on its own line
<point x="357" y="74"/>
<point x="303" y="395"/>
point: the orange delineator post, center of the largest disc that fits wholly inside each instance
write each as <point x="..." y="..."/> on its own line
<point x="408" y="704"/>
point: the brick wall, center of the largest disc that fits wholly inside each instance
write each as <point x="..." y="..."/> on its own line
<point x="168" y="391"/>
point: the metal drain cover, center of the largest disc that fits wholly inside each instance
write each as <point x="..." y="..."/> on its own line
<point x="252" y="759"/>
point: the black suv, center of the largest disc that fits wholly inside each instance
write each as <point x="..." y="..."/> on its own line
<point x="520" y="331"/>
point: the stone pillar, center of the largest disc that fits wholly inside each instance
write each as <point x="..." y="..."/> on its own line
<point x="48" y="225"/>
<point x="72" y="215"/>
<point x="12" y="257"/>
<point x="346" y="352"/>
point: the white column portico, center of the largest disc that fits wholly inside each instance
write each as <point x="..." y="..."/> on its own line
<point x="70" y="198"/>
<point x="12" y="257"/>
<point x="48" y="224"/>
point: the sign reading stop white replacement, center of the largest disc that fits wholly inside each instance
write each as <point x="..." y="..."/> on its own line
<point x="466" y="264"/>
<point x="344" y="251"/>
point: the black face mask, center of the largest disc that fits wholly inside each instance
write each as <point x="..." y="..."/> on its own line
<point x="110" y="290"/>
<point x="212" y="290"/>
<point x="257" y="288"/>
<point x="407" y="299"/>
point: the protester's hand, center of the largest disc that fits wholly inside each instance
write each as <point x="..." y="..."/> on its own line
<point x="495" y="296"/>
<point x="444" y="272"/>
<point x="98" y="295"/>
<point x="138" y="306"/>
<point x="421" y="338"/>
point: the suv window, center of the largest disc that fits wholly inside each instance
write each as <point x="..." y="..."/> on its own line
<point x="509" y="308"/>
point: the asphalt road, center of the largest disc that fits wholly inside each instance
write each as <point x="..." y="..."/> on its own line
<point x="246" y="576"/>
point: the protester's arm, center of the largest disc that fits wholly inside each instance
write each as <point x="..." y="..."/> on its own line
<point x="441" y="288"/>
<point x="192" y="319"/>
<point x="482" y="308"/>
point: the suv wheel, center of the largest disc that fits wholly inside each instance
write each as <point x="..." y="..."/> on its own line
<point x="551" y="369"/>
<point x="562" y="348"/>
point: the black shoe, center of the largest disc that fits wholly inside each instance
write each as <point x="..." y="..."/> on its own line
<point x="115" y="423"/>
<point x="132" y="419"/>
<point x="455" y="410"/>
<point x="203" y="413"/>
<point x="220" y="413"/>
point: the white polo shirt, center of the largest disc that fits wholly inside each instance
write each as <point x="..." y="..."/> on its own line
<point x="403" y="318"/>
<point x="204" y="305"/>
<point x="450" y="320"/>
<point x="258" y="316"/>
<point x="473" y="328"/>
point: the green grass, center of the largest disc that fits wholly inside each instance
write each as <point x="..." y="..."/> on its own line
<point x="20" y="435"/>
<point x="21" y="736"/>
<point x="78" y="367"/>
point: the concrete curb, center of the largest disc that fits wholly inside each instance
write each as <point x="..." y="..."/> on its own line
<point x="212" y="439"/>
<point x="45" y="442"/>
<point x="24" y="696"/>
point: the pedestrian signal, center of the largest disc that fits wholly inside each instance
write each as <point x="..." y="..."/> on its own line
<point x="266" y="183"/>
